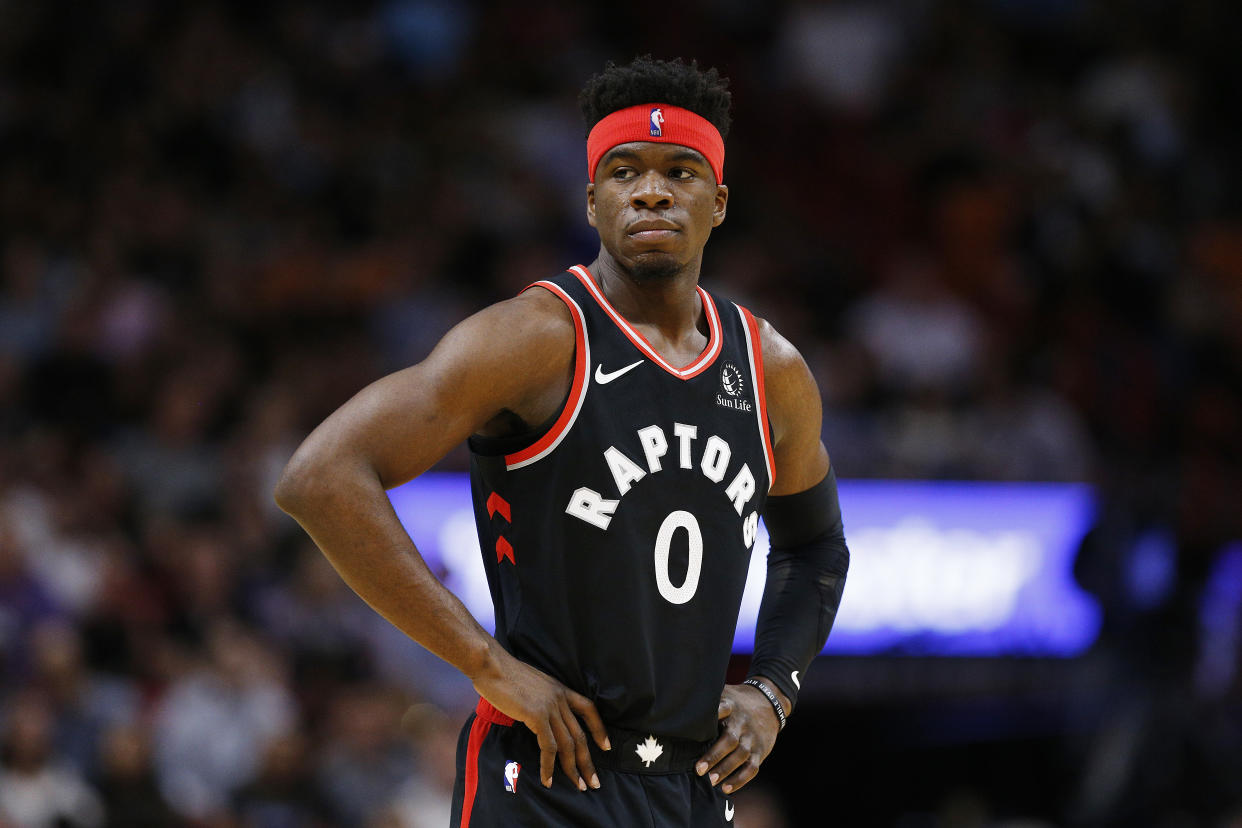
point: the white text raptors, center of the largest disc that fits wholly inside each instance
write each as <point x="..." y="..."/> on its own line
<point x="591" y="506"/>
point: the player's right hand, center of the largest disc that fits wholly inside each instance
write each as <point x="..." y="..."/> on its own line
<point x="551" y="711"/>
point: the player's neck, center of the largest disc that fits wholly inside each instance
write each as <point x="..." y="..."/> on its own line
<point x="670" y="303"/>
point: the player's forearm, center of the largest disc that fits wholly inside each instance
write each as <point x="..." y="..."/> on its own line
<point x="348" y="515"/>
<point x="796" y="613"/>
<point x="807" y="566"/>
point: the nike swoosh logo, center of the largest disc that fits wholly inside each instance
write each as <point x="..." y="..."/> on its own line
<point x="728" y="812"/>
<point x="794" y="676"/>
<point x="604" y="379"/>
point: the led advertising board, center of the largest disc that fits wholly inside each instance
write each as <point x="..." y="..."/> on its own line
<point x="937" y="568"/>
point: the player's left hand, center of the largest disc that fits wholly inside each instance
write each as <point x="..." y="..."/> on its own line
<point x="748" y="732"/>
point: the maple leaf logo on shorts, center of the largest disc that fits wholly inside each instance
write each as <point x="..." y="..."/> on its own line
<point x="649" y="751"/>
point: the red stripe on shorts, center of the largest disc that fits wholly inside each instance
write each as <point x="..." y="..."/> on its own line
<point x="478" y="730"/>
<point x="484" y="717"/>
<point x="484" y="710"/>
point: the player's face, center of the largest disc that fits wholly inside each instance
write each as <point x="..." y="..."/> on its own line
<point x="654" y="206"/>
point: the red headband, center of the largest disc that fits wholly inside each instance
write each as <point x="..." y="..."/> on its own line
<point x="661" y="123"/>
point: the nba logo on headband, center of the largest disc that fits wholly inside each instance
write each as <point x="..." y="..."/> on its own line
<point x="657" y="122"/>
<point x="662" y="123"/>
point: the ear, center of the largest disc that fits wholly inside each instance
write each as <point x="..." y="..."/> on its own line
<point x="591" y="204"/>
<point x="722" y="204"/>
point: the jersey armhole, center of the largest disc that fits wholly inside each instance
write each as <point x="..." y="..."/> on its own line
<point x="485" y="446"/>
<point x="547" y="443"/>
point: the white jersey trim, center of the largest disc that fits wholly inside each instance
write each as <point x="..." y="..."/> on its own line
<point x="761" y="402"/>
<point x="693" y="369"/>
<point x="548" y="442"/>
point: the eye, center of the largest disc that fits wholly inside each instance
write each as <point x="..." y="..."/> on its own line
<point x="681" y="173"/>
<point x="624" y="173"/>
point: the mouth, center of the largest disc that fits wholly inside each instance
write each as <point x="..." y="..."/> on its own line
<point x="652" y="231"/>
<point x="652" y="235"/>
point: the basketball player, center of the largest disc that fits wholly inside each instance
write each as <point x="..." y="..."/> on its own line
<point x="627" y="429"/>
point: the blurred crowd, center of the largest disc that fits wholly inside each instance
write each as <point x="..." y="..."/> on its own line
<point x="1006" y="234"/>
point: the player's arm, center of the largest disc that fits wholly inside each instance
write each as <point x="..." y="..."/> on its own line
<point x="394" y="430"/>
<point x="807" y="565"/>
<point x="808" y="560"/>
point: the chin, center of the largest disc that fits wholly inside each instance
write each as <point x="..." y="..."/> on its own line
<point x="654" y="268"/>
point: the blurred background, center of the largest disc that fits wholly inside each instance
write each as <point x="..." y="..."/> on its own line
<point x="1006" y="234"/>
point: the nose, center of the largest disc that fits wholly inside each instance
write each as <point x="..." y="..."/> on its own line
<point x="651" y="190"/>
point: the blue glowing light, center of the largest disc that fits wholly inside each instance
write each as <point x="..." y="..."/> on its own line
<point x="958" y="569"/>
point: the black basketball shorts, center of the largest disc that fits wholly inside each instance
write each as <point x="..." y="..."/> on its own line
<point x="498" y="782"/>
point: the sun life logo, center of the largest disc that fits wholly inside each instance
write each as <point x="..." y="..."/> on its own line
<point x="731" y="380"/>
<point x="657" y="122"/>
<point x="733" y="384"/>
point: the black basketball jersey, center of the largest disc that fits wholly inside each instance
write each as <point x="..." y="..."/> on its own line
<point x="617" y="540"/>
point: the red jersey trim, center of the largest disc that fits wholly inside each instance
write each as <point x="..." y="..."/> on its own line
<point x="754" y="350"/>
<point x="577" y="391"/>
<point x="694" y="368"/>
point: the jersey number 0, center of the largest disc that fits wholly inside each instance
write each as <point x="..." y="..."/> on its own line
<point x="694" y="542"/>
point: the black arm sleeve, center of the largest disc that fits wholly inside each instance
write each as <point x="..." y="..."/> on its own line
<point x="806" y="576"/>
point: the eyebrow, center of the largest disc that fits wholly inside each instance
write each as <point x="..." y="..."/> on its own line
<point x="680" y="156"/>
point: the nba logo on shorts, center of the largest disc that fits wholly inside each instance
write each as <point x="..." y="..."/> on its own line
<point x="657" y="122"/>
<point x="512" y="769"/>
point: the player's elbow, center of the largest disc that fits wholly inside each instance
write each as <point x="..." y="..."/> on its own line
<point x="301" y="483"/>
<point x="290" y="490"/>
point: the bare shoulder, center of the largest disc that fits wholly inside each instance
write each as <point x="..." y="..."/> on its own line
<point x="541" y="308"/>
<point x="779" y="354"/>
<point x="504" y="366"/>
<point x="787" y="378"/>
<point x="795" y="411"/>
<point x="516" y="357"/>
<point x="528" y="335"/>
<point x="535" y="318"/>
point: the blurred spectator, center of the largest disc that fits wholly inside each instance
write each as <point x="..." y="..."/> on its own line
<point x="919" y="334"/>
<point x="211" y="725"/>
<point x="23" y="602"/>
<point x="365" y="761"/>
<point x="36" y="789"/>
<point x="1019" y="431"/>
<point x="85" y="704"/>
<point x="285" y="792"/>
<point x="426" y="798"/>
<point x="844" y="53"/>
<point x="52" y="528"/>
<point x="321" y="624"/>
<point x="131" y="795"/>
<point x="32" y="298"/>
<point x="171" y="463"/>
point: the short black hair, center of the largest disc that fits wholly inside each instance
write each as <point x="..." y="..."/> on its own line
<point x="647" y="80"/>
